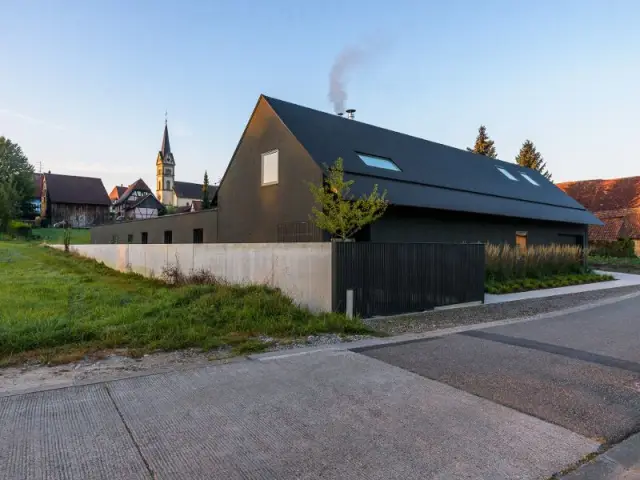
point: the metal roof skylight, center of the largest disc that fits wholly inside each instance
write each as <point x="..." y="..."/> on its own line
<point x="530" y="180"/>
<point x="378" y="162"/>
<point x="507" y="174"/>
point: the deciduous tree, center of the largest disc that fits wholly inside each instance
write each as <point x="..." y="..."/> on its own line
<point x="16" y="180"/>
<point x="337" y="210"/>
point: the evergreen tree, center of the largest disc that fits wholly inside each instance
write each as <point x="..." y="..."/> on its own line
<point x="206" y="202"/>
<point x="531" y="158"/>
<point x="484" y="145"/>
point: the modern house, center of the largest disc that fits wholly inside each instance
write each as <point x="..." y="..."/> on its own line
<point x="80" y="201"/>
<point x="437" y="193"/>
<point x="616" y="202"/>
<point x="136" y="202"/>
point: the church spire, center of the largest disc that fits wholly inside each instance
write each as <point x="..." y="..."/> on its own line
<point x="166" y="147"/>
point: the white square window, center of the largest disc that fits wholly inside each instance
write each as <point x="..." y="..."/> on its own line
<point x="270" y="168"/>
<point x="507" y="174"/>
<point x="530" y="180"/>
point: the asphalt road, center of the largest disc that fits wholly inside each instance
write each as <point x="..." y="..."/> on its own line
<point x="580" y="371"/>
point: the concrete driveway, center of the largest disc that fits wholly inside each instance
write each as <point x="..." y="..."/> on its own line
<point x="330" y="415"/>
<point x="521" y="401"/>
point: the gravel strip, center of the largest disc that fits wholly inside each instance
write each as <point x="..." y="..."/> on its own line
<point x="427" y="321"/>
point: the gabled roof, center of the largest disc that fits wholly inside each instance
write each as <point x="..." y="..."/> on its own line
<point x="148" y="201"/>
<point x="192" y="190"/>
<point x="623" y="223"/>
<point x="600" y="195"/>
<point x="431" y="175"/>
<point x="138" y="185"/>
<point x="117" y="192"/>
<point x="78" y="190"/>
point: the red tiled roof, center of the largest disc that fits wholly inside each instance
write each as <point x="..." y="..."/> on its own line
<point x="117" y="192"/>
<point x="623" y="223"/>
<point x="609" y="232"/>
<point x="599" y="195"/>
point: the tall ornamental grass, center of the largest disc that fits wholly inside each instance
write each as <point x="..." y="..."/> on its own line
<point x="507" y="262"/>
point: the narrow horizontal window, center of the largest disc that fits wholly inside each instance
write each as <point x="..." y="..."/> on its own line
<point x="378" y="162"/>
<point x="530" y="180"/>
<point x="507" y="174"/>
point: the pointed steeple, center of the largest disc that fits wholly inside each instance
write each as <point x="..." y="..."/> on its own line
<point x="166" y="147"/>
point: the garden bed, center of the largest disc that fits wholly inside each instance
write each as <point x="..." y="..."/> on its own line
<point x="555" y="281"/>
<point x="616" y="264"/>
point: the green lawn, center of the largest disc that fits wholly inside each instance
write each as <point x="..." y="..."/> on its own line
<point x="55" y="235"/>
<point x="56" y="307"/>
<point x="616" y="264"/>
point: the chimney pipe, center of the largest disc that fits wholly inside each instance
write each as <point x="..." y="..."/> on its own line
<point x="350" y="113"/>
<point x="340" y="114"/>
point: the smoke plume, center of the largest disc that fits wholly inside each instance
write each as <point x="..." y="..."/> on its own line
<point x="346" y="61"/>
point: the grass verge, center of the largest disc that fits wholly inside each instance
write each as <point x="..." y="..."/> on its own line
<point x="616" y="264"/>
<point x="527" y="284"/>
<point x="55" y="236"/>
<point x="58" y="307"/>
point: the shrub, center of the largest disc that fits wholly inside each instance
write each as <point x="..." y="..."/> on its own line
<point x="20" y="229"/>
<point x="624" y="247"/>
<point x="506" y="262"/>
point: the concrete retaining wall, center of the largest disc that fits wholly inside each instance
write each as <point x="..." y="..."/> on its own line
<point x="301" y="270"/>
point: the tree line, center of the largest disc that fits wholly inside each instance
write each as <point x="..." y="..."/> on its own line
<point x="528" y="156"/>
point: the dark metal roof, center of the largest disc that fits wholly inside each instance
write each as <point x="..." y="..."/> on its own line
<point x="192" y="190"/>
<point x="72" y="189"/>
<point x="432" y="175"/>
<point x="166" y="147"/>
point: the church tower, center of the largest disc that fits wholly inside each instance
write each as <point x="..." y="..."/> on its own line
<point x="165" y="170"/>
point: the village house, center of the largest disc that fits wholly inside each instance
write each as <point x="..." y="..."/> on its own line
<point x="616" y="202"/>
<point x="79" y="201"/>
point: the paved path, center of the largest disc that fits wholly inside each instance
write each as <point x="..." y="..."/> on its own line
<point x="621" y="280"/>
<point x="522" y="400"/>
<point x="330" y="415"/>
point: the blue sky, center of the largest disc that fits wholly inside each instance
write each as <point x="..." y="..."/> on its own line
<point x="84" y="85"/>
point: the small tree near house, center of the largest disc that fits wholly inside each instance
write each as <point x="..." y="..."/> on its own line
<point x="337" y="211"/>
